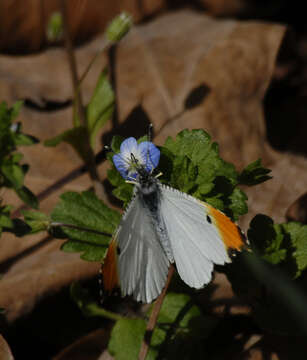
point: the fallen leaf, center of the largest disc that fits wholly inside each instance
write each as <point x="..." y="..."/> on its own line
<point x="88" y="347"/>
<point x="5" y="351"/>
<point x="24" y="23"/>
<point x="298" y="210"/>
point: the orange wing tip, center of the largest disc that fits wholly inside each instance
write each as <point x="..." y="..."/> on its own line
<point x="109" y="271"/>
<point x="232" y="236"/>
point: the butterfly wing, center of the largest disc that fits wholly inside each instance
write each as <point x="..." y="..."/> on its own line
<point x="142" y="264"/>
<point x="200" y="235"/>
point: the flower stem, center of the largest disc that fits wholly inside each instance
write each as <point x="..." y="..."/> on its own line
<point x="154" y="317"/>
<point x="91" y="164"/>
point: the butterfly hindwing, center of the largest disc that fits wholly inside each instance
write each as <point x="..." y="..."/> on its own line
<point x="200" y="235"/>
<point x="141" y="262"/>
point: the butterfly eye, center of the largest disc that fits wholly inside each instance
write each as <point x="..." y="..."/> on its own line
<point x="209" y="219"/>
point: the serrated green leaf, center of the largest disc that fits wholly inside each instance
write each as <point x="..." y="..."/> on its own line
<point x="86" y="211"/>
<point x="37" y="220"/>
<point x="27" y="196"/>
<point x="254" y="174"/>
<point x="208" y="177"/>
<point x="238" y="203"/>
<point x="298" y="236"/>
<point x="101" y="106"/>
<point x="184" y="174"/>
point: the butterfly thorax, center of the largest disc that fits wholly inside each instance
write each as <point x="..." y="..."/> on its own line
<point x="148" y="188"/>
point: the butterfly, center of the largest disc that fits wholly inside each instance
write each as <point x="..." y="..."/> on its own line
<point x="162" y="226"/>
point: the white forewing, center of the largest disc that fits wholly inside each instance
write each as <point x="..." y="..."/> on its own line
<point x="142" y="263"/>
<point x="195" y="241"/>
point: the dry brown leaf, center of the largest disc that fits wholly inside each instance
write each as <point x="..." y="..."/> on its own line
<point x="89" y="347"/>
<point x="23" y="23"/>
<point x="298" y="210"/>
<point x="157" y="65"/>
<point x="5" y="351"/>
<point x="271" y="347"/>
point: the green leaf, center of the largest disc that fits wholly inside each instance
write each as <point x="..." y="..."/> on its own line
<point x="38" y="221"/>
<point x="101" y="106"/>
<point x="126" y="339"/>
<point x="298" y="236"/>
<point x="115" y="177"/>
<point x="5" y="221"/>
<point x="86" y="211"/>
<point x="15" y="110"/>
<point x="191" y="163"/>
<point x="13" y="172"/>
<point x="238" y="202"/>
<point x="119" y="27"/>
<point x="123" y="192"/>
<point x="116" y="142"/>
<point x="76" y="137"/>
<point x="87" y="304"/>
<point x="254" y="174"/>
<point x="55" y="27"/>
<point x="266" y="239"/>
<point x="177" y="320"/>
<point x="89" y="252"/>
<point x="27" y="196"/>
<point x="280" y="243"/>
<point x="25" y="140"/>
<point x="184" y="173"/>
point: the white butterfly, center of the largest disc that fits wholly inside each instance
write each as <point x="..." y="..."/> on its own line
<point x="161" y="226"/>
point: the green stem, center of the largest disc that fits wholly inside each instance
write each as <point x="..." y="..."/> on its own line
<point x="99" y="311"/>
<point x="89" y="153"/>
<point x="154" y="317"/>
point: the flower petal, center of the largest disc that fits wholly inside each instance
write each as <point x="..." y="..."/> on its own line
<point x="121" y="165"/>
<point x="127" y="147"/>
<point x="150" y="155"/>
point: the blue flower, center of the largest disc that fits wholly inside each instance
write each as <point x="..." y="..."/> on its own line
<point x="133" y="155"/>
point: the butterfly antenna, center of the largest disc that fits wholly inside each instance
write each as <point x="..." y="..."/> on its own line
<point x="150" y="128"/>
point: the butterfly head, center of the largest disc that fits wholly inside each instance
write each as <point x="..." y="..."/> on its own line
<point x="136" y="162"/>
